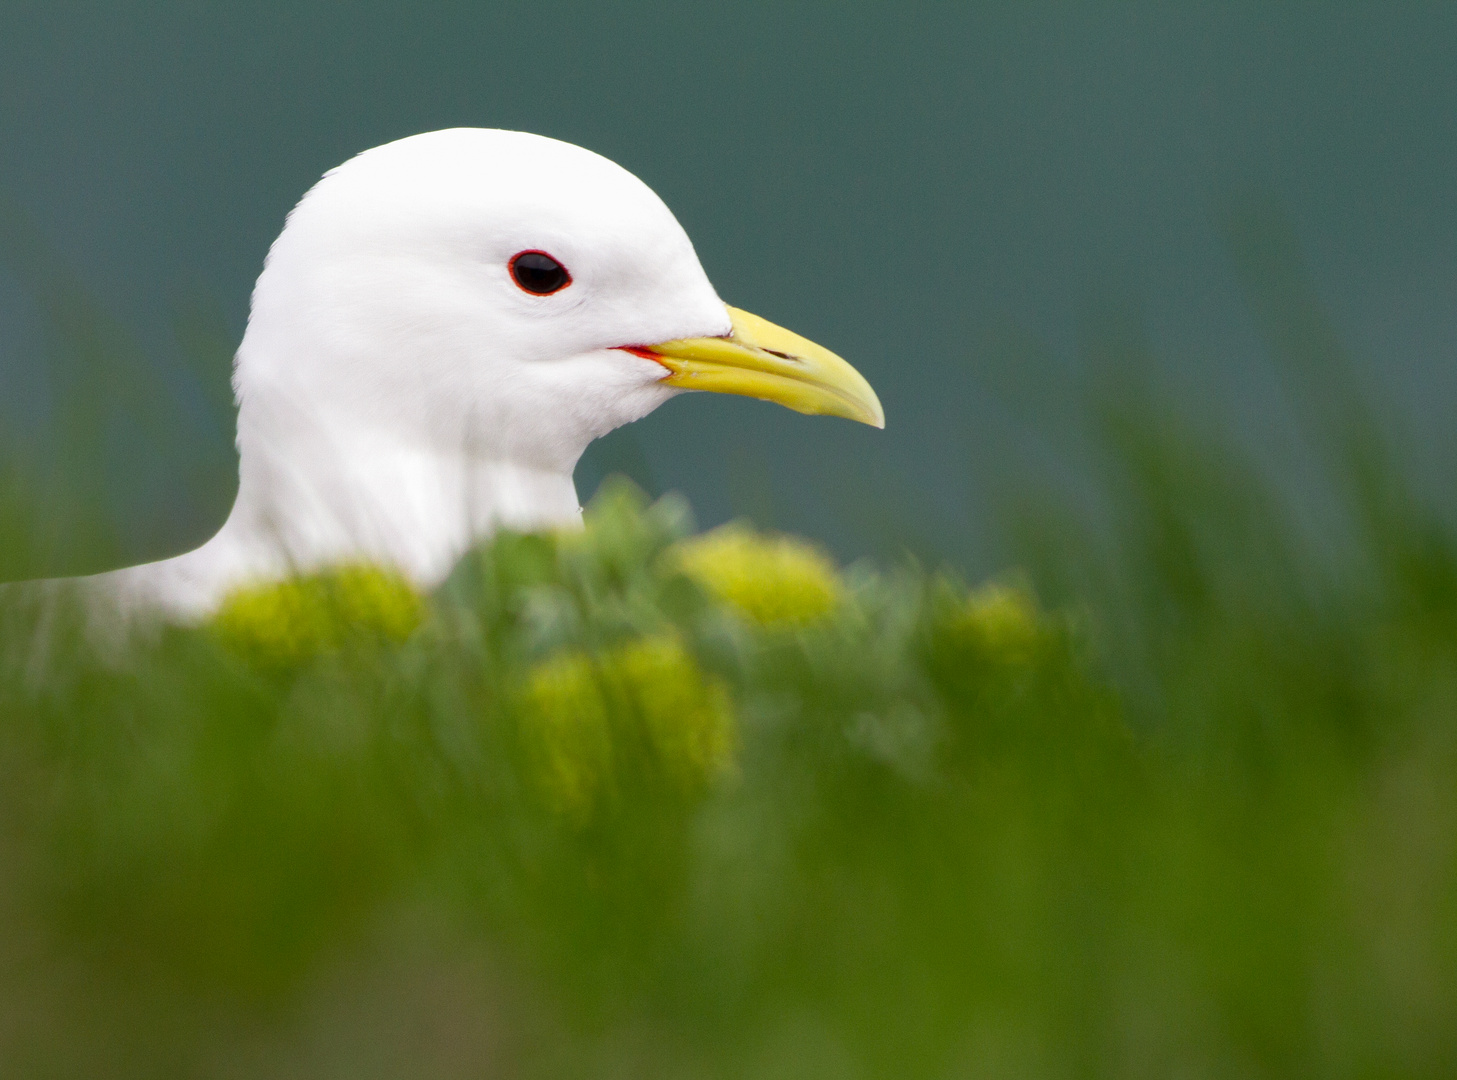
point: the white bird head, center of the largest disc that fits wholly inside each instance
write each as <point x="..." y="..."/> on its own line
<point x="442" y="327"/>
<point x="389" y="301"/>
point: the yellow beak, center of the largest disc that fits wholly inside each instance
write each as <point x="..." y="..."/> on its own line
<point x="761" y="360"/>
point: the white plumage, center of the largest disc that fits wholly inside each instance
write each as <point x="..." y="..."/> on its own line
<point x="400" y="394"/>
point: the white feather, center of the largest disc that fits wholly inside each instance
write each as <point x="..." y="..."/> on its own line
<point x="399" y="396"/>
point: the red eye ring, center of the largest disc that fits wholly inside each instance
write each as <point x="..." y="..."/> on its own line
<point x="538" y="272"/>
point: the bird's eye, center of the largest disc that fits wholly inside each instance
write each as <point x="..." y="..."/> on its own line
<point x="538" y="273"/>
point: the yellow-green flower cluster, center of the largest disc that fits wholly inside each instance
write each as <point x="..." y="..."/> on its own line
<point x="286" y="623"/>
<point x="774" y="580"/>
<point x="1001" y="621"/>
<point x="645" y="705"/>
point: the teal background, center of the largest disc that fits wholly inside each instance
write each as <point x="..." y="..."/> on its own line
<point x="945" y="194"/>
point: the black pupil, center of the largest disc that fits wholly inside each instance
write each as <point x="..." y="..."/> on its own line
<point x="537" y="272"/>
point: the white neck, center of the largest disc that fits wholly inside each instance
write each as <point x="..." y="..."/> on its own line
<point x="323" y="496"/>
<point x="319" y="497"/>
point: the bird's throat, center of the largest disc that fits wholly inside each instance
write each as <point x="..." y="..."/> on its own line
<point x="327" y="500"/>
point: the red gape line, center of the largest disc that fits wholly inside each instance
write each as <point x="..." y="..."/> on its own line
<point x="643" y="351"/>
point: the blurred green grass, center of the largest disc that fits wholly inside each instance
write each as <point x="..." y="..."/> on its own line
<point x="598" y="808"/>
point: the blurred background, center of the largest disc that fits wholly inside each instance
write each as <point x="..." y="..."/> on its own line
<point x="948" y="195"/>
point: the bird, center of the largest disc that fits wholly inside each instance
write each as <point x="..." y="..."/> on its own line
<point x="444" y="324"/>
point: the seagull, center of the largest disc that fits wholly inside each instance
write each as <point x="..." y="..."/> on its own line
<point x="443" y="325"/>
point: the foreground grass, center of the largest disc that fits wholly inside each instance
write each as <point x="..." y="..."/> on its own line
<point x="621" y="803"/>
